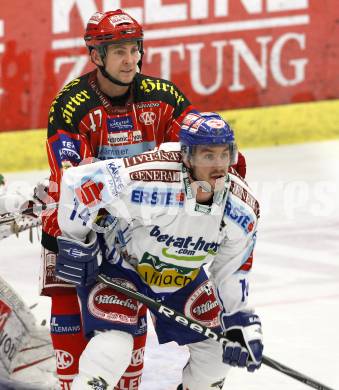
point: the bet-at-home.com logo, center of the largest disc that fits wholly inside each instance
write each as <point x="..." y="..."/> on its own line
<point x="185" y="248"/>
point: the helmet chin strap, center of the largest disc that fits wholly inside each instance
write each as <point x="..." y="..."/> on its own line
<point x="113" y="79"/>
<point x="189" y="170"/>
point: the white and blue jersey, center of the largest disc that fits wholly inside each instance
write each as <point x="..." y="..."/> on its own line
<point x="171" y="236"/>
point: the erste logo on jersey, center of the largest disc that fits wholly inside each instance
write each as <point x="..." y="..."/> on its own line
<point x="239" y="215"/>
<point x="110" y="305"/>
<point x="202" y="306"/>
<point x="152" y="197"/>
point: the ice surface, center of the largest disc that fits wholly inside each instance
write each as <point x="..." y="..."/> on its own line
<point x="295" y="278"/>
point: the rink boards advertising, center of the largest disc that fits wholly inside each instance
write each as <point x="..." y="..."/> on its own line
<point x="224" y="54"/>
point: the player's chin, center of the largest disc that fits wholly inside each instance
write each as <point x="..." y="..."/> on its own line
<point x="127" y="77"/>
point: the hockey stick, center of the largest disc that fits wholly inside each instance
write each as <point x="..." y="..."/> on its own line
<point x="21" y="220"/>
<point x="10" y="217"/>
<point x="199" y="328"/>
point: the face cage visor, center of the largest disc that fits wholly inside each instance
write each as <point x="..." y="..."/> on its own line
<point x="188" y="151"/>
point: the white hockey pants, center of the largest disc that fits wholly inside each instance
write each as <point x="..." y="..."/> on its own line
<point x="205" y="369"/>
<point x="109" y="353"/>
<point x="104" y="360"/>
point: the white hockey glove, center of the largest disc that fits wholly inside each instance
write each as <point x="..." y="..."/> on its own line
<point x="78" y="263"/>
<point x="245" y="348"/>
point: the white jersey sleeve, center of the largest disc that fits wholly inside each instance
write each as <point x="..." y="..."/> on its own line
<point x="84" y="191"/>
<point x="231" y="266"/>
<point x="109" y="185"/>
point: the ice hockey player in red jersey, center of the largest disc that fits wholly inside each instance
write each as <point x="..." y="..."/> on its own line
<point x="111" y="112"/>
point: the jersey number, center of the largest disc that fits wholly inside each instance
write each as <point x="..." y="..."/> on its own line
<point x="244" y="288"/>
<point x="95" y="116"/>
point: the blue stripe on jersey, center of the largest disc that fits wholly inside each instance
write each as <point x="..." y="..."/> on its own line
<point x="105" y="152"/>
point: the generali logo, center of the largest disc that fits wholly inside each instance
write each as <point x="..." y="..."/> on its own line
<point x="147" y="117"/>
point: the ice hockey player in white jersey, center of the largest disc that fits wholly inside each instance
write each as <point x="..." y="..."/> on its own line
<point x="175" y="209"/>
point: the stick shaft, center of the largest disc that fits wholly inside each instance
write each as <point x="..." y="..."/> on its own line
<point x="199" y="328"/>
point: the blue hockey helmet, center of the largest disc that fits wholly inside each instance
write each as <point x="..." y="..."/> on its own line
<point x="206" y="128"/>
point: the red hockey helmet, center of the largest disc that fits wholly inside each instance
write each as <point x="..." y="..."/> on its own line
<point x="105" y="28"/>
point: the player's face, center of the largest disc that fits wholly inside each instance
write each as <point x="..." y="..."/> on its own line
<point x="122" y="60"/>
<point x="210" y="163"/>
